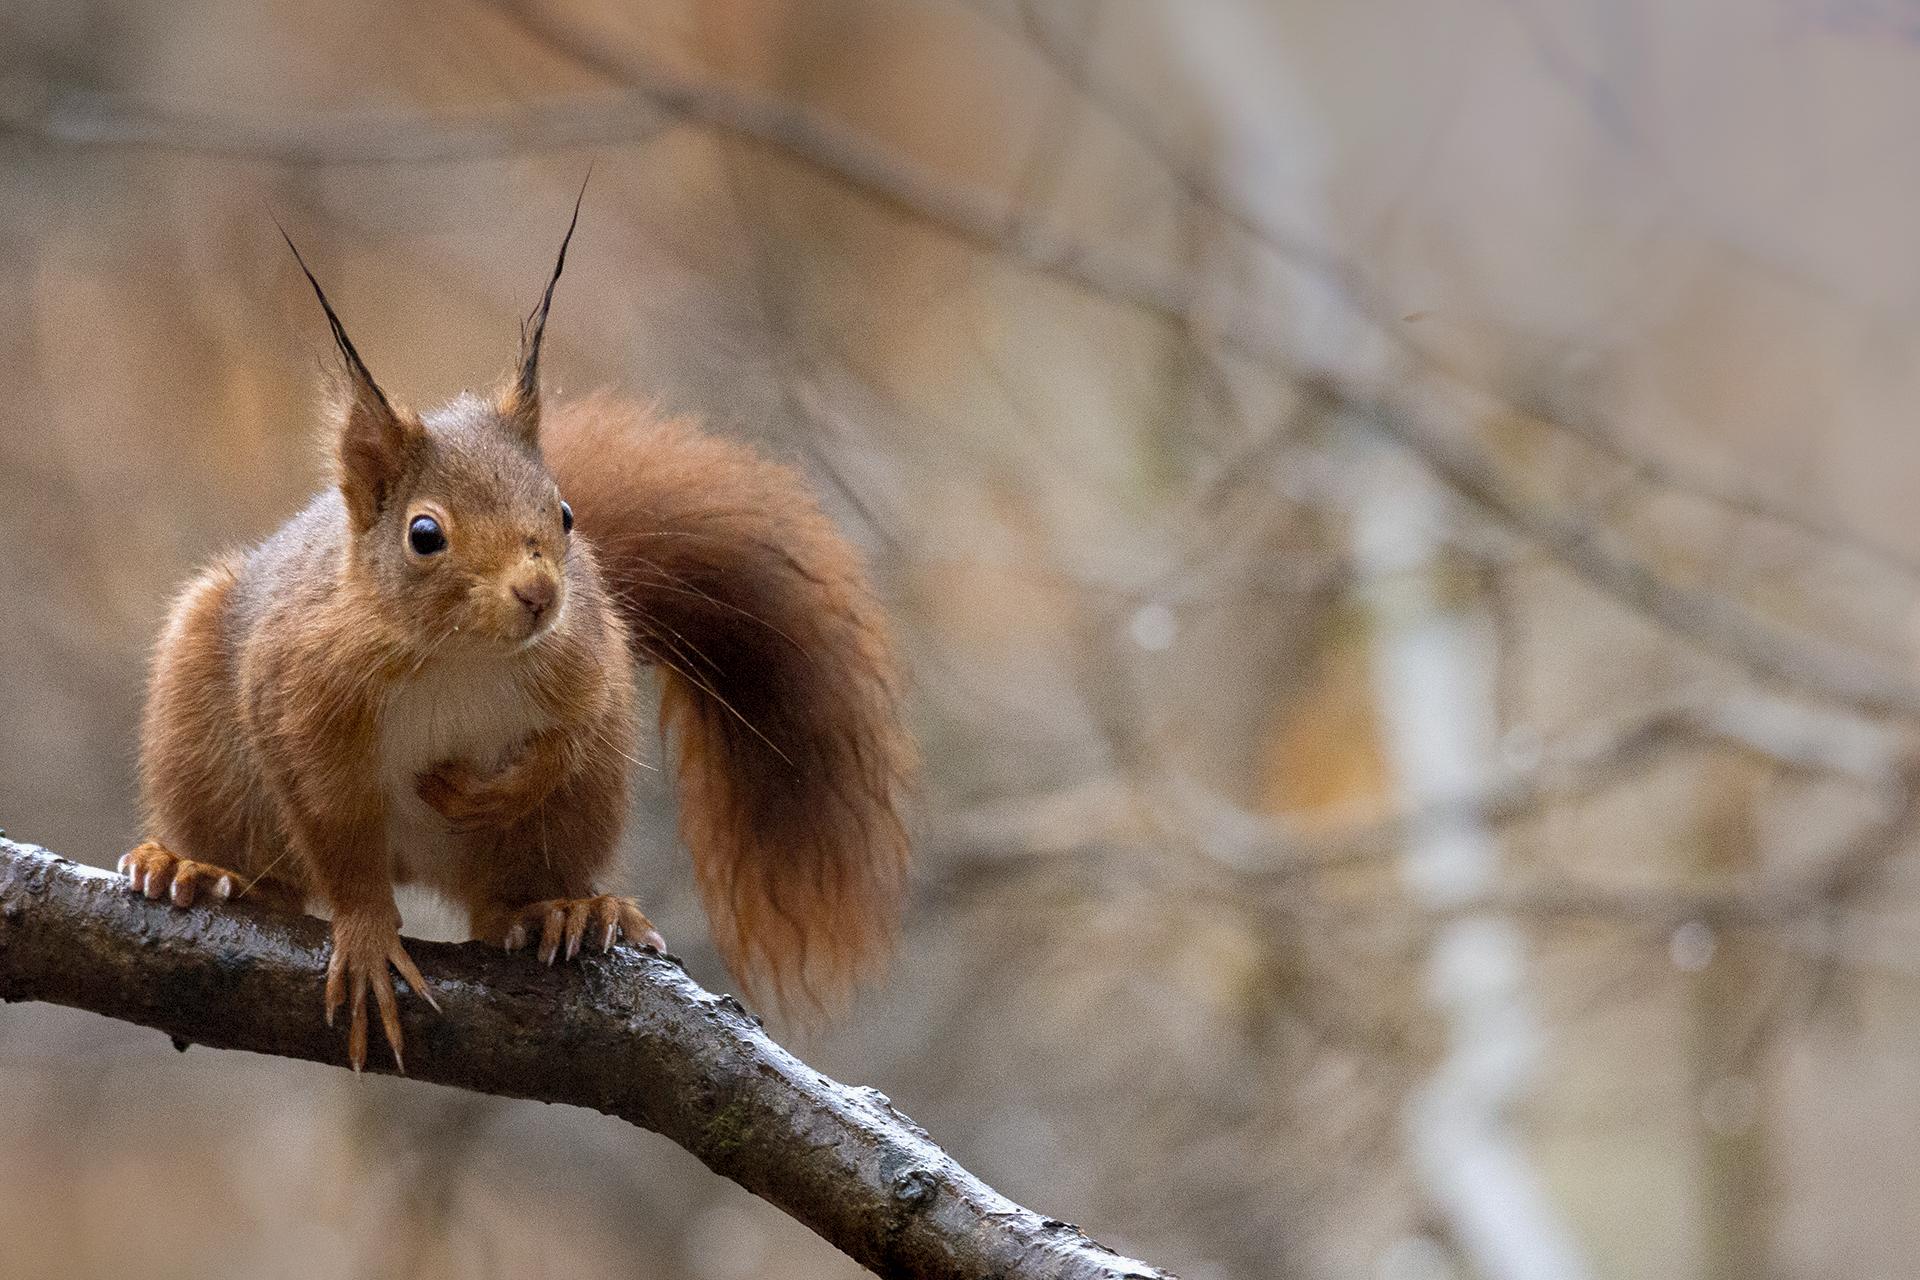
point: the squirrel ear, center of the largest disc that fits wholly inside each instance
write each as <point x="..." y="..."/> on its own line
<point x="521" y="403"/>
<point x="376" y="446"/>
<point x="375" y="440"/>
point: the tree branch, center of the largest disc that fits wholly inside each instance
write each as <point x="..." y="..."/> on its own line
<point x="627" y="1034"/>
<point x="94" y="119"/>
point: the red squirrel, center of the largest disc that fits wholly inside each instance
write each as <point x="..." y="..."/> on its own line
<point x="427" y="677"/>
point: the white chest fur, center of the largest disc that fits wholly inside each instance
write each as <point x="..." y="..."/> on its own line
<point x="468" y="707"/>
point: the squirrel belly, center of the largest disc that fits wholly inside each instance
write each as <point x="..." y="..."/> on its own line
<point x="459" y="706"/>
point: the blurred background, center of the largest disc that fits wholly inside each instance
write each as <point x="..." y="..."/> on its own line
<point x="1402" y="518"/>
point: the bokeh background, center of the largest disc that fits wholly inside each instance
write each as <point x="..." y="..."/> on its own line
<point x="1402" y="517"/>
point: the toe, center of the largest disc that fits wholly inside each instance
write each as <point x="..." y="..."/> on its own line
<point x="357" y="1024"/>
<point x="639" y="929"/>
<point x="579" y="915"/>
<point x="190" y="878"/>
<point x="336" y="983"/>
<point x="138" y="864"/>
<point x="606" y="922"/>
<point x="389" y="1016"/>
<point x="551" y="930"/>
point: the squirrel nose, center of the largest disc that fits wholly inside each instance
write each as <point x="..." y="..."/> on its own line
<point x="536" y="593"/>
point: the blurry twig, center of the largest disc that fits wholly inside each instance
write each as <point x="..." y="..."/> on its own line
<point x="1098" y="830"/>
<point x="84" y="118"/>
<point x="1796" y="735"/>
<point x="1643" y="471"/>
<point x="1204" y="190"/>
<point x="1809" y="663"/>
<point x="1830" y="883"/>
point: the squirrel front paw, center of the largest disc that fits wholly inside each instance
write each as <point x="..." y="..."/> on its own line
<point x="157" y="871"/>
<point x="469" y="800"/>
<point x="365" y="944"/>
<point x="567" y="922"/>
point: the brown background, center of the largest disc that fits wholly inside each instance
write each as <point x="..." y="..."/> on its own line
<point x="1118" y="543"/>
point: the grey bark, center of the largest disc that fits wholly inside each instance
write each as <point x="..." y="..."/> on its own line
<point x="628" y="1034"/>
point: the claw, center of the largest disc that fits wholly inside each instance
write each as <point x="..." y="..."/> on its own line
<point x="389" y="1015"/>
<point x="366" y="952"/>
<point x="400" y="960"/>
<point x="566" y="925"/>
<point x="577" y="919"/>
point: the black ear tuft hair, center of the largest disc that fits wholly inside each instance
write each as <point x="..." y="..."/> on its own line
<point x="534" y="328"/>
<point x="355" y="365"/>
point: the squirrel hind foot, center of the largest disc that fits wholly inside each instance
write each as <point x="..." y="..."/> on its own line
<point x="158" y="872"/>
<point x="561" y="925"/>
<point x="366" y="953"/>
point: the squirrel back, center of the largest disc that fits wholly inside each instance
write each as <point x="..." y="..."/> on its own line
<point x="779" y="688"/>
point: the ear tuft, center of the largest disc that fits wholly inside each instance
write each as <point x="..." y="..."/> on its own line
<point x="520" y="404"/>
<point x="377" y="442"/>
<point x="357" y="369"/>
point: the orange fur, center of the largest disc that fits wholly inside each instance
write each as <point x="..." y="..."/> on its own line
<point x="779" y="685"/>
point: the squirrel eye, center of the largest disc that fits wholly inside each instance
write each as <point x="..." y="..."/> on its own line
<point x="566" y="518"/>
<point x="425" y="536"/>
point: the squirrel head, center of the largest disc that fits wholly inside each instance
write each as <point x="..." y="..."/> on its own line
<point x="453" y="515"/>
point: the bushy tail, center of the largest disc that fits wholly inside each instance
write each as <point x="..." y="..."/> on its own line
<point x="778" y="682"/>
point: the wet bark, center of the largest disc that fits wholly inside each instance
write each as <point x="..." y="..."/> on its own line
<point x="628" y="1034"/>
